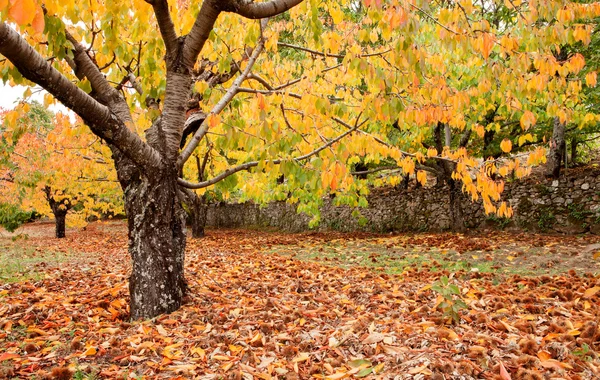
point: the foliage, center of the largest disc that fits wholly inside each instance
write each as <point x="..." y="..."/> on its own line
<point x="302" y="318"/>
<point x="39" y="155"/>
<point x="449" y="299"/>
<point x="481" y="67"/>
<point x="12" y="217"/>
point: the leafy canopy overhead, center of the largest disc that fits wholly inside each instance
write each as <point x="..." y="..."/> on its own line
<point x="340" y="83"/>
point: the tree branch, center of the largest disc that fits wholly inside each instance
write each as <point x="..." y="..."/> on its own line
<point x="231" y="92"/>
<point x="106" y="94"/>
<point x="252" y="10"/>
<point x="195" y="40"/>
<point x="98" y="117"/>
<point x="252" y="164"/>
<point x="166" y="26"/>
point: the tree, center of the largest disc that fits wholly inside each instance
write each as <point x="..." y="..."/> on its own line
<point x="278" y="96"/>
<point x="46" y="172"/>
<point x="148" y="171"/>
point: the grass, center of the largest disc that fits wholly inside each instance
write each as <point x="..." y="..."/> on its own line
<point x="20" y="263"/>
<point x="397" y="259"/>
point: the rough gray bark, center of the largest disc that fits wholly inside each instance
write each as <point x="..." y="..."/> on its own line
<point x="444" y="175"/>
<point x="574" y="145"/>
<point x="557" y="150"/>
<point x="156" y="224"/>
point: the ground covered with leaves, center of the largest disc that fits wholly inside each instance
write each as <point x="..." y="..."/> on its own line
<point x="298" y="306"/>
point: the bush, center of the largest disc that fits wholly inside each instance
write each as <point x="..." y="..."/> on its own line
<point x="12" y="217"/>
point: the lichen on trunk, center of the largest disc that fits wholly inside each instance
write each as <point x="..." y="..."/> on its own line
<point x="156" y="223"/>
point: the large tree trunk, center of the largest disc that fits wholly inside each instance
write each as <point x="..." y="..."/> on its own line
<point x="156" y="223"/>
<point x="557" y="150"/>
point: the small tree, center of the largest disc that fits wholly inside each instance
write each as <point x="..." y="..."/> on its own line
<point x="47" y="173"/>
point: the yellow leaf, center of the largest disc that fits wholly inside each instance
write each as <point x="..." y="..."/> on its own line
<point x="91" y="351"/>
<point x="221" y="357"/>
<point x="590" y="79"/>
<point x="422" y="177"/>
<point x="506" y="145"/>
<point x="337" y="375"/>
<point x="591" y="291"/>
<point x="302" y="357"/>
<point x="336" y="14"/>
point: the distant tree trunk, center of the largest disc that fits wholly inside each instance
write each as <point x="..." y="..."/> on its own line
<point x="444" y="176"/>
<point x="574" y="144"/>
<point x="197" y="211"/>
<point x="60" y="220"/>
<point x="557" y="150"/>
<point x="456" y="207"/>
<point x="59" y="210"/>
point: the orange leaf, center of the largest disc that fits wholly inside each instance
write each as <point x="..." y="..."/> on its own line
<point x="22" y="11"/>
<point x="38" y="21"/>
<point x="552" y="363"/>
<point x="504" y="373"/>
<point x="544" y="355"/>
<point x="7" y="356"/>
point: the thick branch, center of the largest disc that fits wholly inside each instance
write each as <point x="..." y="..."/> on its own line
<point x="231" y="92"/>
<point x="99" y="118"/>
<point x="250" y="9"/>
<point x="105" y="93"/>
<point x="166" y="26"/>
<point x="195" y="40"/>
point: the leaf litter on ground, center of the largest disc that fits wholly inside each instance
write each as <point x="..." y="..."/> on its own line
<point x="265" y="305"/>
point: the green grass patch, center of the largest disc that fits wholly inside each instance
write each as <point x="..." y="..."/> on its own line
<point x="396" y="258"/>
<point x="21" y="263"/>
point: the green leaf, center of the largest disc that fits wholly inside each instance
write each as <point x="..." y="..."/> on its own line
<point x="364" y="372"/>
<point x="359" y="362"/>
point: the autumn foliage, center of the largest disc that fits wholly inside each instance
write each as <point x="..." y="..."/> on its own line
<point x="256" y="309"/>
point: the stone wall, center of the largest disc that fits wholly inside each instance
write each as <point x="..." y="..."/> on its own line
<point x="568" y="205"/>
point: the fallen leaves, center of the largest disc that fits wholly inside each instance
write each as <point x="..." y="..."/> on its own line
<point x="252" y="314"/>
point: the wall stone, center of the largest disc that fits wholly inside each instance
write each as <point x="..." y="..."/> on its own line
<point x="570" y="205"/>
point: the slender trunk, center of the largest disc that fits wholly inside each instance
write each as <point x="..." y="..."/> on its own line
<point x="456" y="212"/>
<point x="59" y="210"/>
<point x="557" y="150"/>
<point x="156" y="223"/>
<point x="60" y="217"/>
<point x="198" y="216"/>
